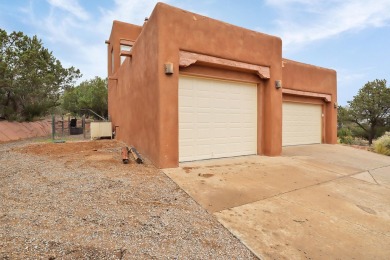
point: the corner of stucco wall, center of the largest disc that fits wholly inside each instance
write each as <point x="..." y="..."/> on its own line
<point x="272" y="121"/>
<point x="334" y="106"/>
<point x="134" y="97"/>
<point x="168" y="90"/>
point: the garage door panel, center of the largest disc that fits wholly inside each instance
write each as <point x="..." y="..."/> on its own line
<point x="185" y="119"/>
<point x="222" y="119"/>
<point x="221" y="133"/>
<point x="189" y="103"/>
<point x="302" y="124"/>
<point x="246" y="118"/>
<point x="223" y="116"/>
<point x="203" y="119"/>
<point x="204" y="102"/>
<point x="188" y="134"/>
<point x="201" y="134"/>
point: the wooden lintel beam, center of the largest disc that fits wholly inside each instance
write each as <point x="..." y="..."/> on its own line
<point x="126" y="42"/>
<point x="126" y="53"/>
<point x="189" y="58"/>
<point x="326" y="97"/>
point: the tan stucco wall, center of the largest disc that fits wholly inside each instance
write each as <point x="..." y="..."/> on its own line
<point x="309" y="78"/>
<point x="134" y="93"/>
<point x="187" y="31"/>
<point x="120" y="30"/>
<point x="143" y="100"/>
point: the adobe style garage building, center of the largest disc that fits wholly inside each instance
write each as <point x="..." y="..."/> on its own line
<point x="185" y="87"/>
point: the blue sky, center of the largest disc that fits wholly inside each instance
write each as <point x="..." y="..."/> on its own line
<point x="350" y="36"/>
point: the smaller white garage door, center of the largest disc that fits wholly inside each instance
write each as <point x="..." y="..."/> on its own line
<point x="302" y="124"/>
<point x="216" y="119"/>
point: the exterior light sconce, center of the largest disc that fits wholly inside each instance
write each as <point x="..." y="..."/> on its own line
<point x="168" y="68"/>
<point x="278" y="84"/>
<point x="335" y="105"/>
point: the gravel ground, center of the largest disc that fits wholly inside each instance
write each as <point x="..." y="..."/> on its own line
<point x="77" y="200"/>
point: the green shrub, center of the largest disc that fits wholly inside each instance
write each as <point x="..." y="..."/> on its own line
<point x="382" y="144"/>
<point x="360" y="141"/>
<point x="344" y="132"/>
<point x="345" y="135"/>
<point x="346" y="139"/>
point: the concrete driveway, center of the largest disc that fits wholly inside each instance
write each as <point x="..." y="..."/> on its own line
<point x="314" y="202"/>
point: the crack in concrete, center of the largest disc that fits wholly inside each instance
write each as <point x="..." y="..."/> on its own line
<point x="309" y="186"/>
<point x="384" y="166"/>
<point x="372" y="176"/>
<point x="283" y="193"/>
<point x="369" y="172"/>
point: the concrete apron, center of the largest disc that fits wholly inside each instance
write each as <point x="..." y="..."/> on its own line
<point x="317" y="201"/>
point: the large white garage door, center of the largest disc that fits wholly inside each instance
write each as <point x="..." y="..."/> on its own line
<point x="302" y="124"/>
<point x="216" y="119"/>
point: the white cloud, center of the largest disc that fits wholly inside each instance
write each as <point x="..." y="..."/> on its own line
<point x="133" y="11"/>
<point x="351" y="80"/>
<point x="95" y="53"/>
<point x="345" y="76"/>
<point x="81" y="44"/>
<point x="304" y="21"/>
<point x="71" y="6"/>
<point x="53" y="26"/>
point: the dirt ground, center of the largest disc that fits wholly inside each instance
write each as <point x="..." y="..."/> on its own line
<point x="77" y="200"/>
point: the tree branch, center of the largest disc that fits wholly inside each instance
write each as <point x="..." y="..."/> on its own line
<point x="360" y="125"/>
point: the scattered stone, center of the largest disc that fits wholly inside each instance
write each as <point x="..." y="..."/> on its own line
<point x="77" y="200"/>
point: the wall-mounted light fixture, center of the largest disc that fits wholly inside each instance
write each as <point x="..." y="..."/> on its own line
<point x="168" y="68"/>
<point x="335" y="105"/>
<point x="278" y="84"/>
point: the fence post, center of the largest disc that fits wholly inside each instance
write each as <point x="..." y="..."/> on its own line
<point x="69" y="125"/>
<point x="83" y="124"/>
<point x="62" y="126"/>
<point x="53" y="126"/>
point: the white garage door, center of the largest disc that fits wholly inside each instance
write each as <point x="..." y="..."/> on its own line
<point x="216" y="119"/>
<point x="302" y="124"/>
